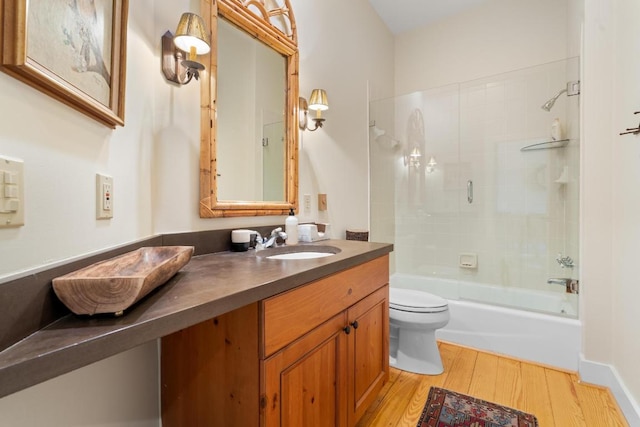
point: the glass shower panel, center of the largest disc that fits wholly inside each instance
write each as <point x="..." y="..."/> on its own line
<point x="415" y="181"/>
<point x="385" y="152"/>
<point x="524" y="211"/>
<point x="431" y="150"/>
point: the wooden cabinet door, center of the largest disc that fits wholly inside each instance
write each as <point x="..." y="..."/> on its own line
<point x="304" y="383"/>
<point x="210" y="372"/>
<point x="368" y="351"/>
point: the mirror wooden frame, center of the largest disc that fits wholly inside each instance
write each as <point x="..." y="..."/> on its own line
<point x="252" y="17"/>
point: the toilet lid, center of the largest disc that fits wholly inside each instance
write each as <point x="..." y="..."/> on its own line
<point x="415" y="301"/>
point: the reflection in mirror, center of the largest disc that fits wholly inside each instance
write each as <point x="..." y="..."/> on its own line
<point x="273" y="164"/>
<point x="251" y="103"/>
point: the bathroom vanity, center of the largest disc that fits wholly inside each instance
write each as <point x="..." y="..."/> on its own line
<point x="216" y="285"/>
<point x="316" y="355"/>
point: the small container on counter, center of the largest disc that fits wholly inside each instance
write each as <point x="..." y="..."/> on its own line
<point x="240" y="240"/>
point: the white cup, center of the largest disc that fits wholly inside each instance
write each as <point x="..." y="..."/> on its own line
<point x="240" y="236"/>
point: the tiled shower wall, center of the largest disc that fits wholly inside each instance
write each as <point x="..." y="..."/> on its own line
<point x="525" y="203"/>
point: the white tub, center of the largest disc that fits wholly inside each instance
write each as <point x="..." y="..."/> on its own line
<point x="544" y="338"/>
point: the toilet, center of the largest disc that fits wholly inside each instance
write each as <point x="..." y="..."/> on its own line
<point x="414" y="317"/>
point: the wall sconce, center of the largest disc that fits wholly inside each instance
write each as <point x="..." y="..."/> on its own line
<point x="413" y="159"/>
<point x="431" y="166"/>
<point x="317" y="102"/>
<point x="191" y="39"/>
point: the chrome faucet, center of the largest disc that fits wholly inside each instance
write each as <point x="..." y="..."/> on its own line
<point x="275" y="234"/>
<point x="564" y="261"/>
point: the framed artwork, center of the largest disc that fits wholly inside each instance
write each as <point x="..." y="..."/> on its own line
<point x="72" y="50"/>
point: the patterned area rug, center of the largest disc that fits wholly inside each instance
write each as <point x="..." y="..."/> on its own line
<point x="446" y="408"/>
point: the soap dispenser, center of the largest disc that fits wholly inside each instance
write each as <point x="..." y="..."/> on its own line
<point x="291" y="228"/>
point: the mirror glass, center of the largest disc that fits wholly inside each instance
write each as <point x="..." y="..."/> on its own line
<point x="251" y="105"/>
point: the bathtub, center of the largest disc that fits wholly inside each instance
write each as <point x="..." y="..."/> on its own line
<point x="486" y="324"/>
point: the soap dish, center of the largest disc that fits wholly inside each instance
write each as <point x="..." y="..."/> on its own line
<point x="116" y="284"/>
<point x="468" y="260"/>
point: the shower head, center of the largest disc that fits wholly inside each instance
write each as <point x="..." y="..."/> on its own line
<point x="573" y="88"/>
<point x="377" y="132"/>
<point x="547" y="106"/>
<point x="381" y="136"/>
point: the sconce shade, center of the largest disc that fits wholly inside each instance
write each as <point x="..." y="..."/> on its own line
<point x="318" y="100"/>
<point x="191" y="33"/>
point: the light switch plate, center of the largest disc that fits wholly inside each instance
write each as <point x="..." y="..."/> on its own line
<point x="11" y="192"/>
<point x="307" y="203"/>
<point x="104" y="196"/>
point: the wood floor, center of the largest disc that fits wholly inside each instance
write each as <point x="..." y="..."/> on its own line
<point x="557" y="398"/>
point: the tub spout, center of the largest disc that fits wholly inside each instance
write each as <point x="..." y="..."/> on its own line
<point x="554" y="281"/>
<point x="571" y="285"/>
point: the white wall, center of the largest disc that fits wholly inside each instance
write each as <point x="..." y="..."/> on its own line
<point x="343" y="45"/>
<point x="597" y="214"/>
<point x="122" y="390"/>
<point x="610" y="229"/>
<point x="495" y="37"/>
<point x="626" y="198"/>
<point x="610" y="204"/>
<point x="63" y="150"/>
<point x="154" y="162"/>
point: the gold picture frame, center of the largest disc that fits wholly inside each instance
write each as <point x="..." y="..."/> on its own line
<point x="72" y="50"/>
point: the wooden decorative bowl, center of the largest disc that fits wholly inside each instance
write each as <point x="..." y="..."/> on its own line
<point x="116" y="284"/>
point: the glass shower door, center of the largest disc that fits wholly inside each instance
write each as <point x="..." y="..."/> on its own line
<point x="473" y="213"/>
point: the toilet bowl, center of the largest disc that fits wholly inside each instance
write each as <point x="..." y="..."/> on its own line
<point x="414" y="317"/>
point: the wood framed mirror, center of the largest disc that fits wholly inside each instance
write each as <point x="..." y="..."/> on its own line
<point x="248" y="128"/>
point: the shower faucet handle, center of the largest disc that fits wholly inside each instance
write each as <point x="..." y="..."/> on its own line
<point x="564" y="261"/>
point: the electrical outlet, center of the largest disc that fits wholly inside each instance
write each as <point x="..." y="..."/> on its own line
<point x="307" y="203"/>
<point x="104" y="196"/>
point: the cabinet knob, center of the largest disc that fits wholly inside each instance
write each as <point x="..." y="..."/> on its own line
<point x="347" y="329"/>
<point x="354" y="324"/>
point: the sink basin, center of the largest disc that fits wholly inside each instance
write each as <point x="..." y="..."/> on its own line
<point x="301" y="255"/>
<point x="299" y="252"/>
<point x="114" y="285"/>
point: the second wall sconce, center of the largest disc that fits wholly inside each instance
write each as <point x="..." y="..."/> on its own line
<point x="318" y="102"/>
<point x="191" y="39"/>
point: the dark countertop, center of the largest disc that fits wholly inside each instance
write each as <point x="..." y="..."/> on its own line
<point x="209" y="285"/>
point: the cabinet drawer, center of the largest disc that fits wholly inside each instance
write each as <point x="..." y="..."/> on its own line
<point x="291" y="314"/>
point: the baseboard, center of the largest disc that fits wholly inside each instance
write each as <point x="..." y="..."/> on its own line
<point x="607" y="376"/>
